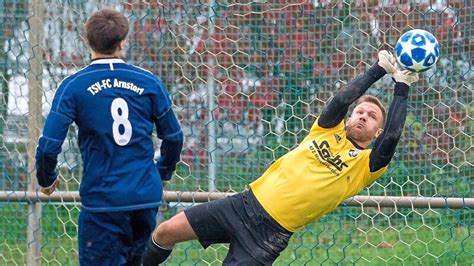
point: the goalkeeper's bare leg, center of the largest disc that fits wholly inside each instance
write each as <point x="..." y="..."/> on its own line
<point x="165" y="236"/>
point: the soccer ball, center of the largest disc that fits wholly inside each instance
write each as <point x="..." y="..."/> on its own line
<point x="417" y="50"/>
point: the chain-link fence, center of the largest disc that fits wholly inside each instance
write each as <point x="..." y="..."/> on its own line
<point x="247" y="79"/>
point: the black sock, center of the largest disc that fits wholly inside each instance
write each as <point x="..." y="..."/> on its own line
<point x="155" y="254"/>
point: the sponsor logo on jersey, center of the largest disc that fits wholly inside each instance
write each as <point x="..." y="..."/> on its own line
<point x="337" y="137"/>
<point x="322" y="152"/>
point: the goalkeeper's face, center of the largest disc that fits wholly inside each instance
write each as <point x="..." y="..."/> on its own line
<point x="365" y="123"/>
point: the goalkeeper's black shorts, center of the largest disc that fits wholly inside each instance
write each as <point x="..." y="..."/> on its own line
<point x="255" y="237"/>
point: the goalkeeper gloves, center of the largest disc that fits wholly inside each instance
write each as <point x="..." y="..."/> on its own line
<point x="405" y="76"/>
<point x="387" y="61"/>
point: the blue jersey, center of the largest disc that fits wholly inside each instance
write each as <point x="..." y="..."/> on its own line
<point x="115" y="107"/>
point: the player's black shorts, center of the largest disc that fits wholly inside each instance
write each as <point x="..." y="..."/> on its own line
<point x="255" y="237"/>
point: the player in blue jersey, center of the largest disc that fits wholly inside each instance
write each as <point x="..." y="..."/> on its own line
<point x="115" y="107"/>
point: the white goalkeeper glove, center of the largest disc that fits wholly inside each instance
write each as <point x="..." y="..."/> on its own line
<point x="405" y="76"/>
<point x="387" y="61"/>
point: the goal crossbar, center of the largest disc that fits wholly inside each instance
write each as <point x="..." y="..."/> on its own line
<point x="199" y="197"/>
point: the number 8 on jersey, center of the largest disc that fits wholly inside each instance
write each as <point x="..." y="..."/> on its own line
<point x="120" y="118"/>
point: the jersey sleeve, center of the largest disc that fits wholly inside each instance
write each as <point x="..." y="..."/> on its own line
<point x="169" y="130"/>
<point x="337" y="108"/>
<point x="161" y="100"/>
<point x="385" y="145"/>
<point x="61" y="115"/>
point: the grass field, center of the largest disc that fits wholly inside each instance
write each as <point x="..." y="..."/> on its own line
<point x="344" y="238"/>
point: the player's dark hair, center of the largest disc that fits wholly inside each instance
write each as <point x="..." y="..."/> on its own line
<point x="105" y="29"/>
<point x="376" y="101"/>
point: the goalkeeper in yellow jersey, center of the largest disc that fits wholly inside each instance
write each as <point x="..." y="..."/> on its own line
<point x="331" y="164"/>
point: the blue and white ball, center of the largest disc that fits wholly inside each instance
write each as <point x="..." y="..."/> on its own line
<point x="417" y="50"/>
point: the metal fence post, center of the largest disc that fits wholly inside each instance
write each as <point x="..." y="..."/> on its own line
<point x="35" y="79"/>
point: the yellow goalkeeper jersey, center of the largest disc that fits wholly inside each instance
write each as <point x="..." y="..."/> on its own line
<point x="314" y="178"/>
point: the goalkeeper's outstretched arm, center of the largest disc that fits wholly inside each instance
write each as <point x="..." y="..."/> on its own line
<point x="385" y="144"/>
<point x="335" y="111"/>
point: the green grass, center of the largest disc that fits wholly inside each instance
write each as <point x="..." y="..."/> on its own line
<point x="343" y="237"/>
